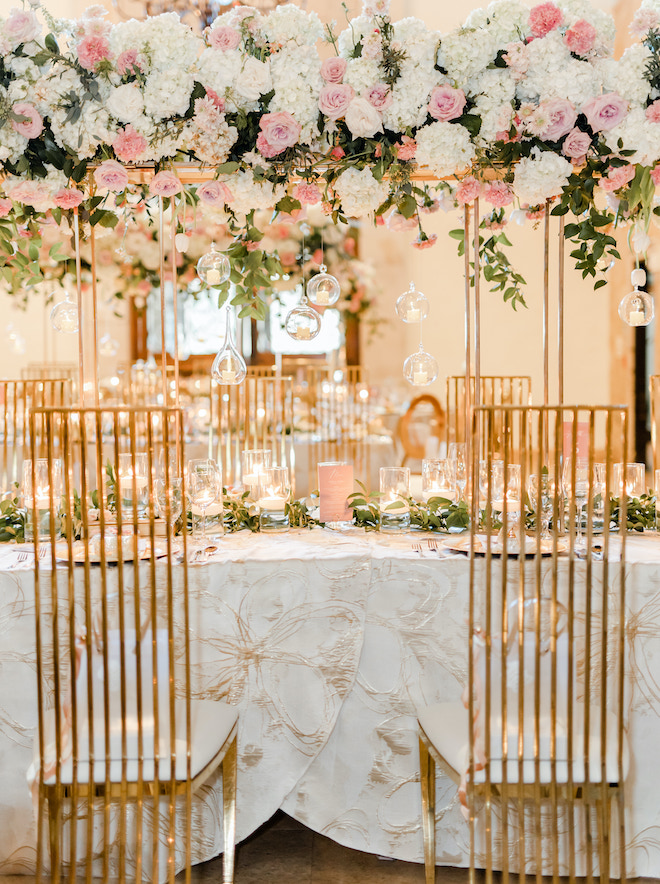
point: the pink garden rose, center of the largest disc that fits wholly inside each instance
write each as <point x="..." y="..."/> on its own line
<point x="128" y="61"/>
<point x="333" y="69"/>
<point x="544" y="18"/>
<point x="91" y="51"/>
<point x="468" y="190"/>
<point x="581" y="37"/>
<point x="31" y="193"/>
<point x="129" y="145"/>
<point x="111" y="175"/>
<point x="617" y="177"/>
<point x="446" y="103"/>
<point x="655" y="175"/>
<point x="407" y="149"/>
<point x="379" y="95"/>
<point x="334" y="99"/>
<point x="604" y="112"/>
<point x="21" y="26"/>
<point x="653" y="112"/>
<point x="33" y="125"/>
<point x="576" y="144"/>
<point x="498" y="194"/>
<point x="278" y="132"/>
<point x="307" y="194"/>
<point x="214" y="193"/>
<point x="224" y="38"/>
<point x="5" y="207"/>
<point x="68" y="198"/>
<point x="561" y="116"/>
<point x="216" y="99"/>
<point x="165" y="183"/>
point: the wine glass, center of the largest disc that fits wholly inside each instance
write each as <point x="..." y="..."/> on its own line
<point x="458" y="453"/>
<point x="506" y="495"/>
<point x="170" y="494"/>
<point x="541" y="493"/>
<point x="203" y="490"/>
<point x="577" y="488"/>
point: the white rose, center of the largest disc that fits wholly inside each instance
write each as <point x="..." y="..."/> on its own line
<point x="254" y="79"/>
<point x="363" y="119"/>
<point x="125" y="103"/>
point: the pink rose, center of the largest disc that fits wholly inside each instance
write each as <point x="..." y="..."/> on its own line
<point x="111" y="175"/>
<point x="31" y="193"/>
<point x="468" y="190"/>
<point x="33" y="125"/>
<point x="21" y="27"/>
<point x="498" y="194"/>
<point x="446" y="103"/>
<point x="604" y="112"/>
<point x="216" y="99"/>
<point x="5" y="206"/>
<point x="68" y="198"/>
<point x="617" y="177"/>
<point x="214" y="193"/>
<point x="407" y="149"/>
<point x="278" y="132"/>
<point x="128" y="62"/>
<point x="576" y="144"/>
<point x="307" y="194"/>
<point x="224" y="38"/>
<point x="334" y="99"/>
<point x="333" y="69"/>
<point x="396" y="221"/>
<point x="561" y="117"/>
<point x="655" y="175"/>
<point x="129" y="145"/>
<point x="91" y="51"/>
<point x="544" y="18"/>
<point x="165" y="184"/>
<point x="380" y="96"/>
<point x="581" y="37"/>
<point x="653" y="112"/>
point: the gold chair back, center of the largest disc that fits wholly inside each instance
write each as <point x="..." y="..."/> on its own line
<point x="117" y="753"/>
<point x="255" y="414"/>
<point x="654" y="388"/>
<point x="413" y="433"/>
<point x="17" y="398"/>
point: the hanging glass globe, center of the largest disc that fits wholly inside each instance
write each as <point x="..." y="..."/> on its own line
<point x="229" y="366"/>
<point x="64" y="316"/>
<point x="420" y="369"/>
<point x="323" y="290"/>
<point x="108" y="346"/>
<point x="213" y="268"/>
<point x="302" y="323"/>
<point x="412" y="306"/>
<point x="637" y="308"/>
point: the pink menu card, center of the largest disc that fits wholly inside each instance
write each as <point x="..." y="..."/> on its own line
<point x="582" y="442"/>
<point x="335" y="484"/>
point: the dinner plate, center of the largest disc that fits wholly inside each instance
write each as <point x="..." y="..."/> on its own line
<point x="111" y="550"/>
<point x="462" y="545"/>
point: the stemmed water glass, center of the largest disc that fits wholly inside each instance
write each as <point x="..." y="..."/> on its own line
<point x="541" y="493"/>
<point x="170" y="494"/>
<point x="577" y="488"/>
<point x="458" y="454"/>
<point x="204" y="486"/>
<point x="506" y="495"/>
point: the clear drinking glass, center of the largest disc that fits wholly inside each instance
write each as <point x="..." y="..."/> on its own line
<point x="438" y="479"/>
<point x="541" y="493"/>
<point x="254" y="462"/>
<point x="458" y="454"/>
<point x="634" y="475"/>
<point x="394" y="494"/>
<point x="275" y="490"/>
<point x="203" y="491"/>
<point x="577" y="487"/>
<point x="133" y="484"/>
<point x="170" y="494"/>
<point x="506" y="496"/>
<point x="43" y="485"/>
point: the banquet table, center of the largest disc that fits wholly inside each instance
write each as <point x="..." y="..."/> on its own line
<point x="327" y="641"/>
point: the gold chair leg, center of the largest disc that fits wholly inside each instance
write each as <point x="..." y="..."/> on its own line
<point x="229" y="766"/>
<point x="54" y="817"/>
<point x="427" y="776"/>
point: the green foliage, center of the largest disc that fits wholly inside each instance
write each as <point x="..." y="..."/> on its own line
<point x="13" y="518"/>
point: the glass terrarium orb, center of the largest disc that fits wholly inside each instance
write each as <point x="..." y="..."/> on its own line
<point x="323" y="290"/>
<point x="64" y="316"/>
<point x="229" y="366"/>
<point x="636" y="308"/>
<point x="213" y="268"/>
<point x="412" y="306"/>
<point x="420" y="369"/>
<point x="302" y="323"/>
<point x="108" y="346"/>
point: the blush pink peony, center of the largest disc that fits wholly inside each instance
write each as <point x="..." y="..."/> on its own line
<point x="333" y="69"/>
<point x="32" y="126"/>
<point x="68" y="198"/>
<point x="468" y="190"/>
<point x="112" y="176"/>
<point x="379" y="96"/>
<point x="91" y="51"/>
<point x="21" y="26"/>
<point x="561" y="117"/>
<point x="224" y="38"/>
<point x="604" y="112"/>
<point x="214" y="193"/>
<point x="581" y="37"/>
<point x="498" y="194"/>
<point x="544" y="18"/>
<point x="407" y="149"/>
<point x="446" y="103"/>
<point x="165" y="184"/>
<point x="617" y="177"/>
<point x="653" y="112"/>
<point x="129" y="145"/>
<point x="334" y="100"/>
<point x="278" y="132"/>
<point x="307" y="194"/>
<point x="128" y="62"/>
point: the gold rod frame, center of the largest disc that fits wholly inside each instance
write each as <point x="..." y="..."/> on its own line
<point x="560" y="311"/>
<point x="477" y="310"/>
<point x="95" y="329"/>
<point x="546" y="302"/>
<point x="81" y="344"/>
<point x="161" y="248"/>
<point x="468" y="358"/>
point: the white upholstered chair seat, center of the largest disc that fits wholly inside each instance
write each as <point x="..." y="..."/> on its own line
<point x="446" y="726"/>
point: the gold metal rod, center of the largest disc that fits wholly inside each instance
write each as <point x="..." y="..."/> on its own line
<point x="175" y="302"/>
<point x="468" y="357"/>
<point x="546" y="302"/>
<point x="560" y="312"/>
<point x="161" y="249"/>
<point x="81" y="344"/>
<point x="477" y="309"/>
<point x="95" y="330"/>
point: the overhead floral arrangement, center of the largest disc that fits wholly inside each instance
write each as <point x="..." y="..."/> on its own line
<point x="516" y="107"/>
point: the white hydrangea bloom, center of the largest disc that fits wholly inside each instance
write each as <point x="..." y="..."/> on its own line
<point x="354" y="34"/>
<point x="236" y="16"/>
<point x="362" y="73"/>
<point x="494" y="92"/>
<point x="297" y="81"/>
<point x="288" y="24"/>
<point x="626" y="76"/>
<point x="167" y="96"/>
<point x="125" y="103"/>
<point x="360" y="193"/>
<point x="254" y="79"/>
<point x="553" y="73"/>
<point x="249" y="194"/>
<point x="637" y="134"/>
<point x="211" y="147"/>
<point x="12" y="144"/>
<point x="163" y="41"/>
<point x="218" y="71"/>
<point x="508" y="21"/>
<point x="466" y="53"/>
<point x="444" y="147"/>
<point x="540" y="176"/>
<point x="419" y="42"/>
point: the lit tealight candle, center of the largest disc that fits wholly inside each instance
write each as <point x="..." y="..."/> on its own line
<point x="213" y="276"/>
<point x="304" y="334"/>
<point x="394" y="507"/>
<point x="272" y="504"/>
<point x="420" y="378"/>
<point x="322" y="298"/>
<point x="412" y="314"/>
<point x="42" y="499"/>
<point x="228" y="376"/>
<point x="636" y="317"/>
<point x="512" y="505"/>
<point x="126" y="482"/>
<point x="447" y="493"/>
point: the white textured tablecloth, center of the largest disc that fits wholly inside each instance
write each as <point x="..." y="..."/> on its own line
<point x="327" y="642"/>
